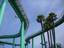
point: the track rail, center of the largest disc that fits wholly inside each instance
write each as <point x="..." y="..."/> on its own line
<point x="21" y="16"/>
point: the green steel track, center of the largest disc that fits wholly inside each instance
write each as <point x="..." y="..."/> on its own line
<point x="20" y="16"/>
<point x="24" y="19"/>
<point x="60" y="21"/>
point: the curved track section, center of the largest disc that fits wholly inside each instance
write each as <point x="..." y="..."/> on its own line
<point x="20" y="15"/>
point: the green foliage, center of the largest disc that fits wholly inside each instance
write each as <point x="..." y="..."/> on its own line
<point x="48" y="22"/>
<point x="40" y="18"/>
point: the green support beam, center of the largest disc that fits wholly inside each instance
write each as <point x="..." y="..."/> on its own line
<point x="59" y="22"/>
<point x="22" y="38"/>
<point x="1" y="42"/>
<point x="2" y="8"/>
<point x="20" y="12"/>
<point x="14" y="5"/>
<point x="22" y="17"/>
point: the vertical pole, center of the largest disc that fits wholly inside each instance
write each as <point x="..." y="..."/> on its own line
<point x="32" y="42"/>
<point x="51" y="39"/>
<point x="22" y="40"/>
<point x="42" y="40"/>
<point x="53" y="34"/>
<point x="2" y="8"/>
<point x="13" y="43"/>
<point x="48" y="38"/>
<point x="42" y="25"/>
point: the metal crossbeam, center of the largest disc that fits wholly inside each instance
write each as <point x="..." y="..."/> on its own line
<point x="2" y="42"/>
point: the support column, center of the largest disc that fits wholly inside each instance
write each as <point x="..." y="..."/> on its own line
<point x="32" y="42"/>
<point x="42" y="40"/>
<point x="22" y="39"/>
<point x="13" y="43"/>
<point x="42" y="25"/>
<point x="48" y="39"/>
<point x="54" y="40"/>
<point x="51" y="38"/>
<point x="2" y="8"/>
<point x="53" y="34"/>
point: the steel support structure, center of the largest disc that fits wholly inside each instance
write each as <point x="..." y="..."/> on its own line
<point x="48" y="36"/>
<point x="53" y="34"/>
<point x="32" y="42"/>
<point x="59" y="22"/>
<point x="24" y="23"/>
<point x="42" y="40"/>
<point x="2" y="8"/>
<point x="22" y="38"/>
<point x="2" y="42"/>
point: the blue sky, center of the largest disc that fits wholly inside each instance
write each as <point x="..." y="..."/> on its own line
<point x="33" y="8"/>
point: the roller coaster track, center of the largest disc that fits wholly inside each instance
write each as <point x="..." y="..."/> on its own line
<point x="24" y="19"/>
<point x="20" y="16"/>
<point x="59" y="22"/>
